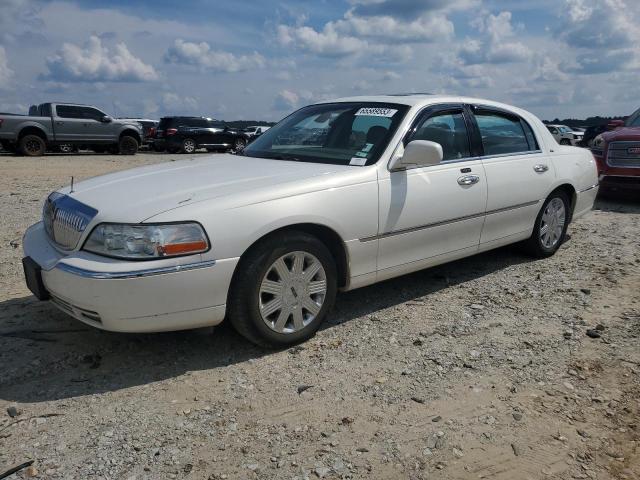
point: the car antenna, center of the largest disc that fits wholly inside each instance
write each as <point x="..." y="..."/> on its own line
<point x="71" y="191"/>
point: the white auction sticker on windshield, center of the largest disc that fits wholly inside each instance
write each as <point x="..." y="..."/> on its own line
<point x="376" y="112"/>
<point x="359" y="161"/>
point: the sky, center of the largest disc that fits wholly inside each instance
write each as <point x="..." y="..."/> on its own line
<point x="262" y="59"/>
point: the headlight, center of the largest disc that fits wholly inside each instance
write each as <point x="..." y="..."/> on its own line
<point x="147" y="241"/>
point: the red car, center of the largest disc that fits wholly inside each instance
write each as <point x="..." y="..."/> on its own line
<point x="617" y="155"/>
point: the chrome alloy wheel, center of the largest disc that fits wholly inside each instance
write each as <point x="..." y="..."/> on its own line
<point x="292" y="292"/>
<point x="189" y="146"/>
<point x="552" y="224"/>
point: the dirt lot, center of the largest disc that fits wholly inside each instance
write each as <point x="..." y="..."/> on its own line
<point x="477" y="369"/>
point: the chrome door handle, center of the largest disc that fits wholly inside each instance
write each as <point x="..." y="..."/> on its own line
<point x="468" y="180"/>
<point x="540" y="168"/>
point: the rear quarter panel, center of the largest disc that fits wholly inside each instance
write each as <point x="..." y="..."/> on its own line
<point x="13" y="125"/>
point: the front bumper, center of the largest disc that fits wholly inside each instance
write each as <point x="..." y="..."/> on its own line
<point x="153" y="296"/>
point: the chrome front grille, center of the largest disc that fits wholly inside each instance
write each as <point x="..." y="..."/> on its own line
<point x="624" y="154"/>
<point x="65" y="219"/>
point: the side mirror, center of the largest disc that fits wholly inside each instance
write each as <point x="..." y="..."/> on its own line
<point x="418" y="153"/>
<point x="106" y="119"/>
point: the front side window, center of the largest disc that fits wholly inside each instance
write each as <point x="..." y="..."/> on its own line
<point x="501" y="134"/>
<point x="447" y="129"/>
<point x="91" y="113"/>
<point x="68" y="111"/>
<point x="353" y="133"/>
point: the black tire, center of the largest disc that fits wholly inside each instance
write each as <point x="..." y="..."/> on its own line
<point x="189" y="145"/>
<point x="32" y="146"/>
<point x="565" y="141"/>
<point x="158" y="149"/>
<point x="238" y="145"/>
<point x="243" y="303"/>
<point x="535" y="246"/>
<point x="128" y="145"/>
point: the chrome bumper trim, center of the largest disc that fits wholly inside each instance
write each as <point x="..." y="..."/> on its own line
<point x="133" y="274"/>
<point x="589" y="188"/>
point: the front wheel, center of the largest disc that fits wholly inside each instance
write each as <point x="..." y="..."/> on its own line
<point x="128" y="145"/>
<point x="551" y="226"/>
<point x="282" y="290"/>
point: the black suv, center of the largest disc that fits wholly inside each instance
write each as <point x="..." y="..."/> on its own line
<point x="187" y="134"/>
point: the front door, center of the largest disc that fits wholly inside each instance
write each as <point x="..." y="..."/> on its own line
<point x="433" y="211"/>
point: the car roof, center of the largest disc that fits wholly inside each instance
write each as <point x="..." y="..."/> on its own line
<point x="424" y="99"/>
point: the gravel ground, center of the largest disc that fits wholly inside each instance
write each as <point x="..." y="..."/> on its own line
<point x="477" y="369"/>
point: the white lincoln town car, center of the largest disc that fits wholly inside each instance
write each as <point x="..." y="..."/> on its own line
<point x="338" y="195"/>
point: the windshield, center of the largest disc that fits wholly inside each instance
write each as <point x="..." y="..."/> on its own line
<point x="634" y="119"/>
<point x="354" y="133"/>
<point x="564" y="129"/>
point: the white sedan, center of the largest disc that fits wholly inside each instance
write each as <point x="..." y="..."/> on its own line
<point x="338" y="195"/>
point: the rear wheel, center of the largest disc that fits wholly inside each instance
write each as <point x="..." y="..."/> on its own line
<point x="128" y="145"/>
<point x="239" y="144"/>
<point x="283" y="289"/>
<point x="32" y="145"/>
<point x="551" y="226"/>
<point x="565" y="141"/>
<point x="188" y="145"/>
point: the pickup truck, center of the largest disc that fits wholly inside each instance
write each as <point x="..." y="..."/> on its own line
<point x="49" y="125"/>
<point x="617" y="154"/>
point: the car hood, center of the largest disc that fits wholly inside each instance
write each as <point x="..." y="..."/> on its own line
<point x="624" y="133"/>
<point x="140" y="193"/>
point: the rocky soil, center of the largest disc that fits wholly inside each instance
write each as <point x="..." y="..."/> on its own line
<point x="482" y="368"/>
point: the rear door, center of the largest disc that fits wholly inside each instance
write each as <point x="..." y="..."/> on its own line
<point x="68" y="123"/>
<point x="518" y="173"/>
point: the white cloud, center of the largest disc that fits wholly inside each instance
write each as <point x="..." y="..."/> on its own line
<point x="605" y="34"/>
<point x="95" y="62"/>
<point x="327" y="42"/>
<point x="374" y="28"/>
<point x="286" y="100"/>
<point x="6" y="74"/>
<point x="173" y="102"/>
<point x="200" y="54"/>
<point x="499" y="44"/>
<point x="600" y="23"/>
<point x="427" y="28"/>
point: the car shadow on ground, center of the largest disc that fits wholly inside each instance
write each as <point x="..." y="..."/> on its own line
<point x="618" y="202"/>
<point x="46" y="355"/>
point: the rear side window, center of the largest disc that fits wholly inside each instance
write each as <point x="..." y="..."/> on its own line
<point x="165" y="123"/>
<point x="196" y="122"/>
<point x="502" y="134"/>
<point x="69" y="111"/>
